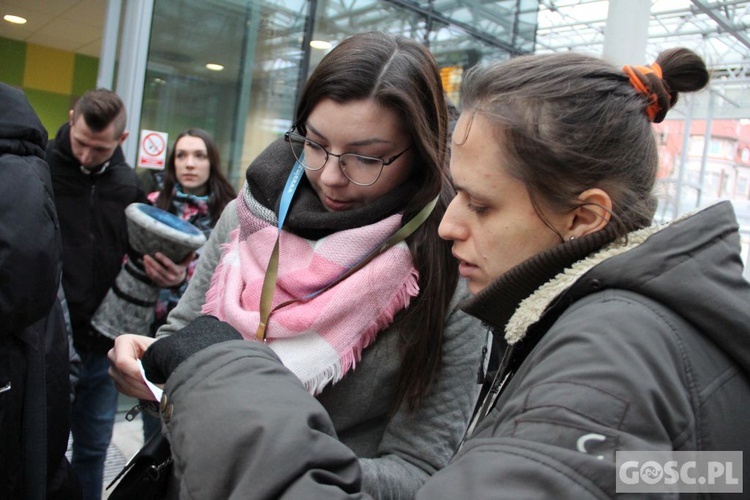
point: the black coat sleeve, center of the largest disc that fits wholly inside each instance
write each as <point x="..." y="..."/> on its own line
<point x="29" y="241"/>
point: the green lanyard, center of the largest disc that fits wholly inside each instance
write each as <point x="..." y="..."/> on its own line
<point x="269" y="281"/>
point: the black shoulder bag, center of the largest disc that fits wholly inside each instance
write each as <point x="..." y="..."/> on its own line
<point x="146" y="476"/>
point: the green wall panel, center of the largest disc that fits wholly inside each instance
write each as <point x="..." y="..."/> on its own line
<point x="85" y="72"/>
<point x="12" y="61"/>
<point x="52" y="108"/>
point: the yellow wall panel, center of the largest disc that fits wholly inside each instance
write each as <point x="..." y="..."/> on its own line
<point x="48" y="69"/>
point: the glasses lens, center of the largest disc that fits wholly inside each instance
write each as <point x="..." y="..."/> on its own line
<point x="362" y="170"/>
<point x="310" y="154"/>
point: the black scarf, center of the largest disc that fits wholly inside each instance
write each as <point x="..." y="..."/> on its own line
<point x="62" y="145"/>
<point x="308" y="218"/>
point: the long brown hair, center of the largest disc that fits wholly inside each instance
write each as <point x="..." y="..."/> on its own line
<point x="220" y="191"/>
<point x="401" y="74"/>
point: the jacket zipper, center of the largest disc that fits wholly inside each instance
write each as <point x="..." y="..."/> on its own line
<point x="133" y="412"/>
<point x="92" y="197"/>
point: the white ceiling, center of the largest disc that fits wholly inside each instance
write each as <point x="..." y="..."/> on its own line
<point x="721" y="26"/>
<point x="70" y="25"/>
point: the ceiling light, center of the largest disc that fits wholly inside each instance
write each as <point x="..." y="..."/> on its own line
<point x="320" y="44"/>
<point x="14" y="19"/>
<point x="214" y="67"/>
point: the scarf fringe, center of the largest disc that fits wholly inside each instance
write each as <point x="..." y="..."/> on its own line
<point x="348" y="360"/>
<point x="213" y="295"/>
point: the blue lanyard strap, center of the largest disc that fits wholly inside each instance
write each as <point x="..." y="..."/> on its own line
<point x="295" y="176"/>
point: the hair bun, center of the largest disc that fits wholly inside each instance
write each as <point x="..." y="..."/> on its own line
<point x="675" y="70"/>
<point x="648" y="81"/>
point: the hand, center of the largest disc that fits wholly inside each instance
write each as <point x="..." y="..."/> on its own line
<point x="124" y="370"/>
<point x="165" y="273"/>
<point x="164" y="356"/>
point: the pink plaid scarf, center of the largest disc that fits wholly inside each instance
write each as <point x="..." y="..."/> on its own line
<point x="322" y="338"/>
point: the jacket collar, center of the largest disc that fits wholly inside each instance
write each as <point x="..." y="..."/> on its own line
<point x="497" y="303"/>
<point x="531" y="309"/>
<point x="62" y="143"/>
<point x="519" y="298"/>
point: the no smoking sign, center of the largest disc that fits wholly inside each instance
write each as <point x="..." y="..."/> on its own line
<point x="152" y="149"/>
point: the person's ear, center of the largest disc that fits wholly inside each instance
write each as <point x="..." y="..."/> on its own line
<point x="70" y="117"/>
<point x="124" y="136"/>
<point x="592" y="215"/>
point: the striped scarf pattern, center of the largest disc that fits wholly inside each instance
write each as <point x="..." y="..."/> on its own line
<point x="320" y="338"/>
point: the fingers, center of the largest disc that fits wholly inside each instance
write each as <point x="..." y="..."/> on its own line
<point x="163" y="271"/>
<point x="187" y="260"/>
<point x="124" y="370"/>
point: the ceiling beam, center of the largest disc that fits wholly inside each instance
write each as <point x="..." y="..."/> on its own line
<point x="722" y="21"/>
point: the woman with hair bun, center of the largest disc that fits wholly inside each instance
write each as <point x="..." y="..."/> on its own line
<point x="619" y="334"/>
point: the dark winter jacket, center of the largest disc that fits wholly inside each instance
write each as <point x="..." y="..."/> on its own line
<point x="91" y="208"/>
<point x="34" y="384"/>
<point x="645" y="346"/>
<point x="638" y="347"/>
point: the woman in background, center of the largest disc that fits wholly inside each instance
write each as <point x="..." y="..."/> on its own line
<point x="195" y="189"/>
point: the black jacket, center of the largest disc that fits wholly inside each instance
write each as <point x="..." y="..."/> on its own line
<point x="34" y="402"/>
<point x="632" y="348"/>
<point x="91" y="208"/>
<point x="638" y="347"/>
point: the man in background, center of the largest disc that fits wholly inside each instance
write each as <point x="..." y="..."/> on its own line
<point x="34" y="356"/>
<point x="93" y="185"/>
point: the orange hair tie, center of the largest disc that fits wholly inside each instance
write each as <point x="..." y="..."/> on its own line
<point x="634" y="74"/>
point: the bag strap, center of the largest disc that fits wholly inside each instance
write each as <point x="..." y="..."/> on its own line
<point x="272" y="270"/>
<point x="269" y="281"/>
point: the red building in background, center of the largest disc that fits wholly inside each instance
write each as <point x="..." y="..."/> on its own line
<point x="717" y="170"/>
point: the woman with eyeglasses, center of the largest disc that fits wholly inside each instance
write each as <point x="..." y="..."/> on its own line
<point x="330" y="255"/>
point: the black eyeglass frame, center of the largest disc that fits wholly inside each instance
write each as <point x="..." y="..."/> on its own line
<point x="384" y="163"/>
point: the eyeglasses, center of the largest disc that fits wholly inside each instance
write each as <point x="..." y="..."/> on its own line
<point x="359" y="169"/>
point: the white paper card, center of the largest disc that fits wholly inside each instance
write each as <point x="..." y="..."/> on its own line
<point x="154" y="390"/>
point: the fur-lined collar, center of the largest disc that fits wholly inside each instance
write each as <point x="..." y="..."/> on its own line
<point x="530" y="309"/>
<point x="518" y="299"/>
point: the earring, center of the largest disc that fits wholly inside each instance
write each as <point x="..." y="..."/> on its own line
<point x="572" y="238"/>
